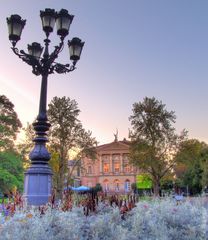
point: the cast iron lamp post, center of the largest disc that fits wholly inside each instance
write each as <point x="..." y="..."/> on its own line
<point x="37" y="184"/>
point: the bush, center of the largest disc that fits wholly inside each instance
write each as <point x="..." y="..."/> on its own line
<point x="157" y="219"/>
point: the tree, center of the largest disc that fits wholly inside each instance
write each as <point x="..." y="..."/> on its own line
<point x="27" y="144"/>
<point x="154" y="141"/>
<point x="9" y="123"/>
<point x="11" y="171"/>
<point x="66" y="133"/>
<point x="192" y="155"/>
<point x="204" y="166"/>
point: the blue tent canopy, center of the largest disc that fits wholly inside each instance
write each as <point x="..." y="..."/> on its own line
<point x="81" y="188"/>
<point x="78" y="189"/>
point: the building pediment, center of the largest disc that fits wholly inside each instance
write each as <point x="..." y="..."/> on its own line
<point x="114" y="146"/>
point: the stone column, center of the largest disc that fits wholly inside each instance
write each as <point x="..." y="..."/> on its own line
<point x="121" y="162"/>
<point x="111" y="163"/>
<point x="101" y="164"/>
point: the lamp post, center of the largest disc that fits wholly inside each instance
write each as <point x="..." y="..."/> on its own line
<point x="37" y="183"/>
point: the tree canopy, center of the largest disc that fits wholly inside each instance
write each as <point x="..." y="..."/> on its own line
<point x="191" y="168"/>
<point x="9" y="123"/>
<point x="66" y="133"/>
<point x="11" y="171"/>
<point x="154" y="139"/>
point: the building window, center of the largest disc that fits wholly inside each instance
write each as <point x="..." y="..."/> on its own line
<point x="106" y="185"/>
<point x="89" y="170"/>
<point x="127" y="167"/>
<point x="127" y="186"/>
<point x="106" y="167"/>
<point x="116" y="167"/>
<point x="116" y="185"/>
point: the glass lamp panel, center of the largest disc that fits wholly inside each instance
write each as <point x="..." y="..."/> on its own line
<point x="17" y="29"/>
<point x="63" y="25"/>
<point x="66" y="22"/>
<point x="74" y="52"/>
<point x="30" y="52"/>
<point x="52" y="21"/>
<point x="48" y="23"/>
<point x="37" y="53"/>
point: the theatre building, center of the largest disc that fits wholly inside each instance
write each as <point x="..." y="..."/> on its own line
<point x="111" y="168"/>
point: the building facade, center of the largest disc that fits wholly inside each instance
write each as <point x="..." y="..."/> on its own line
<point x="111" y="169"/>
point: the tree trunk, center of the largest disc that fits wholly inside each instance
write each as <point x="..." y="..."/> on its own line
<point x="156" y="187"/>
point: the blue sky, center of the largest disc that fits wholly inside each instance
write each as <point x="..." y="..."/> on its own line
<point x="133" y="49"/>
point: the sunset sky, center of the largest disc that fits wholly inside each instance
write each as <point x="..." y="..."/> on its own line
<point x="133" y="49"/>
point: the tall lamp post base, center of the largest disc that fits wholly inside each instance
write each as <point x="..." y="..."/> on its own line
<point x="37" y="185"/>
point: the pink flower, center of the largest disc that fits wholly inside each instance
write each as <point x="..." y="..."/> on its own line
<point x="174" y="210"/>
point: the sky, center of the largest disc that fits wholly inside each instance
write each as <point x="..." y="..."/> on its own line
<point x="133" y="49"/>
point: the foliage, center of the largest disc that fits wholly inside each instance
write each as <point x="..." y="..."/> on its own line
<point x="204" y="166"/>
<point x="161" y="220"/>
<point x="66" y="133"/>
<point x="192" y="158"/>
<point x="9" y="123"/>
<point x="144" y="181"/>
<point x="11" y="171"/>
<point x="97" y="188"/>
<point x="153" y="137"/>
<point x="27" y="144"/>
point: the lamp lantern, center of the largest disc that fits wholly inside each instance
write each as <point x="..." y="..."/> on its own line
<point x="48" y="18"/>
<point x="75" y="48"/>
<point x="15" y="26"/>
<point x="63" y="22"/>
<point x="35" y="50"/>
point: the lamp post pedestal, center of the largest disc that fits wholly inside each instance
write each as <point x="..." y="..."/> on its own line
<point x="37" y="185"/>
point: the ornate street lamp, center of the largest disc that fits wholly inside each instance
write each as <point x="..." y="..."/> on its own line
<point x="37" y="184"/>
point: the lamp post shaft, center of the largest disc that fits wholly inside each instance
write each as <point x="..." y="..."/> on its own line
<point x="43" y="98"/>
<point x="38" y="176"/>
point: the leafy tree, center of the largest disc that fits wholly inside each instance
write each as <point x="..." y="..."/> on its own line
<point x="204" y="166"/>
<point x="154" y="141"/>
<point x="66" y="133"/>
<point x="9" y="123"/>
<point x="27" y="144"/>
<point x="11" y="171"/>
<point x="192" y="155"/>
<point x="97" y="188"/>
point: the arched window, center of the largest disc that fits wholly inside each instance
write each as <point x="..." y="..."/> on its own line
<point x="116" y="185"/>
<point x="127" y="185"/>
<point x="106" y="185"/>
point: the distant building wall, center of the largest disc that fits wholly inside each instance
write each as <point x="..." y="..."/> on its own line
<point x="111" y="168"/>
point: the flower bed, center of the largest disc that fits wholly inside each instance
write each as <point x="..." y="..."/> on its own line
<point x="157" y="219"/>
